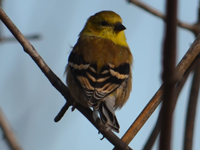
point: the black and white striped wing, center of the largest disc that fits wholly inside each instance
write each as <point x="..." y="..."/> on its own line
<point x="84" y="73"/>
<point x="108" y="80"/>
<point x="95" y="85"/>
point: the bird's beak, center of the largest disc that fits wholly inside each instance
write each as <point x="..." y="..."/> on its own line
<point x="119" y="27"/>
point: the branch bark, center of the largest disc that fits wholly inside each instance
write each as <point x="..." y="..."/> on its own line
<point x="168" y="76"/>
<point x="8" y="133"/>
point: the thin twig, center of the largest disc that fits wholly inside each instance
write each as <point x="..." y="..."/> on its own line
<point x="8" y="133"/>
<point x="191" y="112"/>
<point x="185" y="62"/>
<point x="63" y="110"/>
<point x="160" y="15"/>
<point x="56" y="82"/>
<point x="28" y="37"/>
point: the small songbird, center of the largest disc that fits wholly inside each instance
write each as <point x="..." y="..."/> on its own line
<point x="99" y="67"/>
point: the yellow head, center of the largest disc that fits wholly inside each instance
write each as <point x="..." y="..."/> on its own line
<point x="106" y="24"/>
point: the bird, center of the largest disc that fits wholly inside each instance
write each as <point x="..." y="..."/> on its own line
<point x="99" y="68"/>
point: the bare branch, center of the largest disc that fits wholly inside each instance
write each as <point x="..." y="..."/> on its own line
<point x="62" y="111"/>
<point x="168" y="76"/>
<point x="57" y="83"/>
<point x="28" y="37"/>
<point x="160" y="15"/>
<point x="8" y="133"/>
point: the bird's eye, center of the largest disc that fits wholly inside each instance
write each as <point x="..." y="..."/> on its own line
<point x="104" y="23"/>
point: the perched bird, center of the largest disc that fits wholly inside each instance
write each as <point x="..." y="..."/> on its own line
<point x="99" y="67"/>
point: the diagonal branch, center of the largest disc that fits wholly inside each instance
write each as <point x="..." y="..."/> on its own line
<point x="8" y="133"/>
<point x="56" y="82"/>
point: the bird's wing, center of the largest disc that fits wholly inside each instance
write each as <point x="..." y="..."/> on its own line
<point x="81" y="71"/>
<point x="95" y="85"/>
<point x="108" y="80"/>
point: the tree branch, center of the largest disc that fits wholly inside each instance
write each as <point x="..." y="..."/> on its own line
<point x="8" y="133"/>
<point x="56" y="82"/>
<point x="160" y="15"/>
<point x="168" y="76"/>
<point x="28" y="37"/>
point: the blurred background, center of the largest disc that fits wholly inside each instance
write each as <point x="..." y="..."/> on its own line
<point x="30" y="102"/>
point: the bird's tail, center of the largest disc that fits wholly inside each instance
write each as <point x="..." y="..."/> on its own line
<point x="107" y="115"/>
